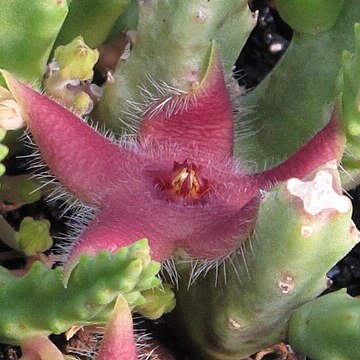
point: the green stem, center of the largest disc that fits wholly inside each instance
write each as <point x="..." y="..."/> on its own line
<point x="8" y="234"/>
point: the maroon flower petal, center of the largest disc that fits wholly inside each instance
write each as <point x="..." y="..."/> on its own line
<point x="202" y="118"/>
<point x="85" y="162"/>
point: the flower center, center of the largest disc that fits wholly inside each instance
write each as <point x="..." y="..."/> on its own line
<point x="185" y="181"/>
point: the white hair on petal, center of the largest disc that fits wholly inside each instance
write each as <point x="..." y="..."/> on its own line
<point x="169" y="272"/>
<point x="346" y="172"/>
<point x="101" y="129"/>
<point x="77" y="213"/>
<point x="156" y="97"/>
<point x="144" y="340"/>
<point x="243" y="129"/>
<point x="201" y="156"/>
<point x="201" y="267"/>
<point x="235" y="261"/>
<point x="154" y="93"/>
<point x="78" y="216"/>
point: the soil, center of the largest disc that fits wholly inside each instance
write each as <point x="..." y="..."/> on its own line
<point x="264" y="48"/>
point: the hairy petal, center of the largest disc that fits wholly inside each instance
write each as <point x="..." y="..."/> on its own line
<point x="326" y="145"/>
<point x="117" y="227"/>
<point x="85" y="162"/>
<point x="202" y="231"/>
<point x="202" y="117"/>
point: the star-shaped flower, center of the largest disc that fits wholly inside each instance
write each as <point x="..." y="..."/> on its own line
<point x="178" y="184"/>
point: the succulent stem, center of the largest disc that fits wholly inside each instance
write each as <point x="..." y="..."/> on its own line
<point x="327" y="328"/>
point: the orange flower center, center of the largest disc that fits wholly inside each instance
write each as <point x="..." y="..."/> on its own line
<point x="187" y="181"/>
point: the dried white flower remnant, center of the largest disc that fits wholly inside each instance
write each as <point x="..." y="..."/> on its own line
<point x="318" y="194"/>
<point x="10" y="113"/>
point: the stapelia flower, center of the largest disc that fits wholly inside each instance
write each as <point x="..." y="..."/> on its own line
<point x="177" y="185"/>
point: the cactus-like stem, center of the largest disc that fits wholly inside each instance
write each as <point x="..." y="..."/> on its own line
<point x="296" y="99"/>
<point x="92" y="19"/>
<point x="349" y="79"/>
<point x="310" y="16"/>
<point x="19" y="189"/>
<point x="28" y="30"/>
<point x="327" y="328"/>
<point x="39" y="303"/>
<point x="303" y="229"/>
<point x="127" y="21"/>
<point x="180" y="59"/>
<point x="8" y="234"/>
